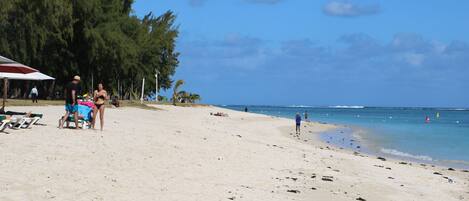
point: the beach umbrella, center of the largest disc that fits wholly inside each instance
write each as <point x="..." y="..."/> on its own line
<point x="12" y="70"/>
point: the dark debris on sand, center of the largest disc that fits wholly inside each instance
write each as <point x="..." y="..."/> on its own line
<point x="327" y="178"/>
<point x="449" y="179"/>
<point x="381" y="158"/>
<point x="292" y="178"/>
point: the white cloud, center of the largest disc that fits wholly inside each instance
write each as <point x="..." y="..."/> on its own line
<point x="414" y="59"/>
<point x="349" y="9"/>
<point x="363" y="57"/>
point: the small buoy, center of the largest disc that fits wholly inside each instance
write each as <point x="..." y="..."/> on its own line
<point x="457" y="122"/>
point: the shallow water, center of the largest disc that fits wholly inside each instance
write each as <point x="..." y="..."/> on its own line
<point x="402" y="132"/>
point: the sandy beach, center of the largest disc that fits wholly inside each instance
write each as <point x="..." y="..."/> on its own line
<point x="184" y="153"/>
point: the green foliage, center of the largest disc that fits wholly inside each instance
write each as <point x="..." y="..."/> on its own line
<point x="99" y="39"/>
<point x="183" y="96"/>
<point x="162" y="98"/>
<point x="178" y="85"/>
<point x="193" y="98"/>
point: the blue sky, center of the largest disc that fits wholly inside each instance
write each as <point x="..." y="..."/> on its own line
<point x="323" y="52"/>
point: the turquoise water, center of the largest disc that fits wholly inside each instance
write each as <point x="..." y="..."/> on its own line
<point x="401" y="132"/>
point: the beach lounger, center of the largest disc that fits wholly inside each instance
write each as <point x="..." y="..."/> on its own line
<point x="22" y="122"/>
<point x="17" y="122"/>
<point x="36" y="117"/>
<point x="82" y="123"/>
<point x="35" y="120"/>
<point x="4" y="123"/>
<point x="84" y="117"/>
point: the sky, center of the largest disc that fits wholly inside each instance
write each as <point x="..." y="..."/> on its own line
<point x="322" y="52"/>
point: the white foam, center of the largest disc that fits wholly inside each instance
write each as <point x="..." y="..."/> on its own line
<point x="459" y="109"/>
<point x="407" y="155"/>
<point x="299" y="106"/>
<point x="348" y="106"/>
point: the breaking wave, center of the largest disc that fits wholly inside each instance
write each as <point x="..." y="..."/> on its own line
<point x="299" y="106"/>
<point x="459" y="109"/>
<point x="407" y="155"/>
<point x="348" y="106"/>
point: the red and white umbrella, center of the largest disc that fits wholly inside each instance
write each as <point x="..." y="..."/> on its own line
<point x="12" y="70"/>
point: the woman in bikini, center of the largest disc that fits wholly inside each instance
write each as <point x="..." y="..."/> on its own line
<point x="100" y="97"/>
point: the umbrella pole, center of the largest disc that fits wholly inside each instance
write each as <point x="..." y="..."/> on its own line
<point x="5" y="87"/>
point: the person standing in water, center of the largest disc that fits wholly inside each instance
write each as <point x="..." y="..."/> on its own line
<point x="427" y="119"/>
<point x="100" y="97"/>
<point x="306" y="115"/>
<point x="298" y="123"/>
<point x="245" y="109"/>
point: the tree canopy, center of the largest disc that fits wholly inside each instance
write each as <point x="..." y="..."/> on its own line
<point x="100" y="40"/>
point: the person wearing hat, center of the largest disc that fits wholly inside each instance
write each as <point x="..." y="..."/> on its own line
<point x="71" y="101"/>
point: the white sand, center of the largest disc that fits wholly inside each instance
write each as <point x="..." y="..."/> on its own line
<point x="186" y="154"/>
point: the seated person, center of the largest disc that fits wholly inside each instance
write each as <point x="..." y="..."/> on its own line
<point x="115" y="101"/>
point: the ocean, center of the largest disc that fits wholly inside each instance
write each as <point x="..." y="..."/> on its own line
<point x="430" y="135"/>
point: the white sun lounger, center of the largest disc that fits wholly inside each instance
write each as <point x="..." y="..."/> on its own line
<point x="4" y="124"/>
<point x="23" y="122"/>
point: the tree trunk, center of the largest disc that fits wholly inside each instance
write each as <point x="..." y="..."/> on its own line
<point x="51" y="90"/>
<point x="26" y="89"/>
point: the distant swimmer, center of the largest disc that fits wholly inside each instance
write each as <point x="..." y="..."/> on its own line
<point x="437" y="115"/>
<point x="298" y="123"/>
<point x="427" y="119"/>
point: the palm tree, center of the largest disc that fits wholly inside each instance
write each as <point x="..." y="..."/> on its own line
<point x="194" y="97"/>
<point x="183" y="97"/>
<point x="178" y="85"/>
